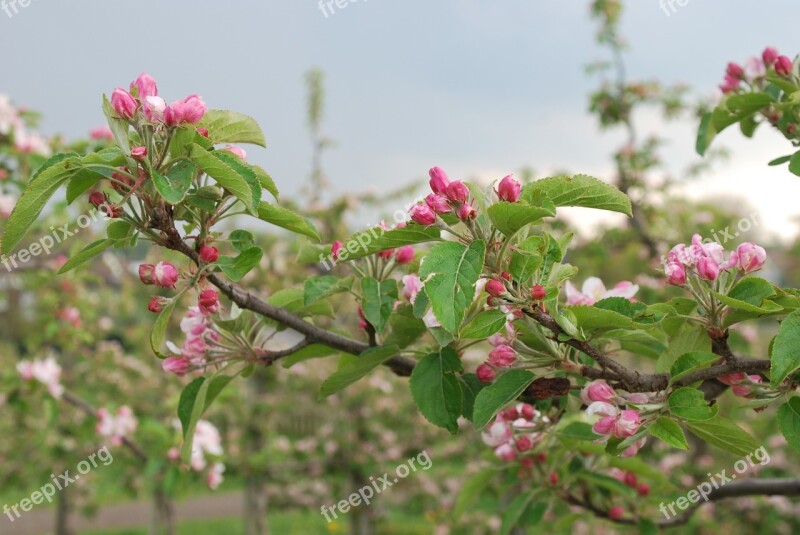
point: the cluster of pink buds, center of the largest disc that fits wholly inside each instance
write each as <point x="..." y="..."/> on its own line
<point x="515" y="431"/>
<point x="502" y="356"/>
<point x="201" y="337"/>
<point x="630" y="479"/>
<point x="707" y="260"/>
<point x="142" y="97"/>
<point x="453" y="196"/>
<point x="755" y="68"/>
<point x="741" y="384"/>
<point x="163" y="274"/>
<point x="116" y="427"/>
<point x="615" y="420"/>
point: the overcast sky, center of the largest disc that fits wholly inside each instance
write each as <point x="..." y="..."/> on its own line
<point x="480" y="87"/>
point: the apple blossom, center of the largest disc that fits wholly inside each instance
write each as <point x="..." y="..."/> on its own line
<point x="411" y="287"/>
<point x="177" y="365"/>
<point x="208" y="254"/>
<point x="594" y="290"/>
<point x="734" y="70"/>
<point x="437" y="203"/>
<point x="154" y="108"/>
<point x="116" y="427"/>
<point x="676" y="274"/>
<point x="467" y="212"/>
<point x="156" y="304"/>
<point x="208" y="301"/>
<point x="495" y="288"/>
<point x="502" y="356"/>
<point x="139" y="153"/>
<point x="165" y="275"/>
<point x="123" y="103"/>
<point x="538" y="292"/>
<point x="769" y="56"/>
<point x="189" y="110"/>
<point x="708" y="268"/>
<point x="783" y="66"/>
<point x="46" y="372"/>
<point x="102" y="133"/>
<point x="485" y="373"/>
<point x="423" y="214"/>
<point x="457" y="192"/>
<point x="509" y="189"/>
<point x="751" y="257"/>
<point x="597" y="390"/>
<point x="405" y="254"/>
<point x="336" y="248"/>
<point x="439" y="180"/>
<point x="145" y="86"/>
<point x="238" y="151"/>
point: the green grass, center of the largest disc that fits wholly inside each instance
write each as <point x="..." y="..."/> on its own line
<point x="289" y="523"/>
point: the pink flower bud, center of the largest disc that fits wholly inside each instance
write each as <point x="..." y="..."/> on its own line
<point x="122" y="183"/>
<point x="387" y="254"/>
<point x="123" y="103"/>
<point x="177" y="365"/>
<point x="538" y="292"/>
<point x="208" y="301"/>
<point x="783" y="66"/>
<point x="676" y="274"/>
<point x="439" y="180"/>
<point x="770" y="56"/>
<point x="97" y="199"/>
<point x="495" y="288"/>
<point x="743" y="390"/>
<point x="735" y="70"/>
<point x="616" y="512"/>
<point x="156" y="304"/>
<point x="629" y="479"/>
<point x="751" y="257"/>
<point x="145" y="86"/>
<point x="597" y="390"/>
<point x="627" y="424"/>
<point x="153" y="108"/>
<point x="437" y="203"/>
<point x="643" y="489"/>
<point x="189" y="110"/>
<point x="202" y="131"/>
<point x="336" y="248"/>
<point x="707" y="268"/>
<point x="238" y="151"/>
<point x="101" y="133"/>
<point x="527" y="411"/>
<point x="502" y="356"/>
<point x="209" y="254"/>
<point x="485" y="373"/>
<point x="146" y="273"/>
<point x="730" y="84"/>
<point x="165" y="275"/>
<point x="508" y="190"/>
<point x="732" y="378"/>
<point x="467" y="212"/>
<point x="422" y="214"/>
<point x="523" y="444"/>
<point x="553" y="478"/>
<point x="506" y="452"/>
<point x="457" y="192"/>
<point x="405" y="254"/>
<point x="139" y="153"/>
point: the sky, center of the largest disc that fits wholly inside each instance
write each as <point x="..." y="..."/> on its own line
<point x="482" y="88"/>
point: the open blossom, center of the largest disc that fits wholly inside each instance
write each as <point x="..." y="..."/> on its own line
<point x="593" y="290"/>
<point x="46" y="372"/>
<point x="189" y="110"/>
<point x="118" y="426"/>
<point x="9" y="117"/>
<point x="411" y="287"/>
<point x="750" y="257"/>
<point x="620" y="424"/>
<point x="207" y="442"/>
<point x="214" y="478"/>
<point x="31" y="142"/>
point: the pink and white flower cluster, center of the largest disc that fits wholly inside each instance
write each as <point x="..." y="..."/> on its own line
<point x="142" y="103"/>
<point x="116" y="426"/>
<point x="45" y="371"/>
<point x="593" y="290"/>
<point x="515" y="431"/>
<point x="13" y="124"/>
<point x="201" y="336"/>
<point x="615" y="420"/>
<point x="708" y="260"/>
<point x="206" y="451"/>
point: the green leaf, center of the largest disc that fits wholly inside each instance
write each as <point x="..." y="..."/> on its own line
<point x="377" y="301"/>
<point x="450" y="271"/>
<point x="494" y="397"/>
<point x="515" y="510"/>
<point x="313" y="351"/>
<point x="471" y="490"/>
<point x="81" y="182"/>
<point x="241" y="240"/>
<point x="436" y="389"/>
<point x="352" y="368"/>
<point x="285" y="218"/>
<point x="174" y="186"/>
<point x="199" y="399"/>
<point x="690" y="404"/>
<point x="237" y="268"/>
<point x="86" y="254"/>
<point x="231" y="173"/>
<point x="226" y="126"/>
<point x="705" y="134"/>
<point x="119" y="127"/>
<point x="320" y="287"/>
<point x="579" y="190"/>
<point x="186" y="402"/>
<point x="405" y="328"/>
<point x="781" y="160"/>
<point x="160" y="327"/>
<point x="509" y="218"/>
<point x="750" y="295"/>
<point x="687" y="338"/>
<point x="265" y="180"/>
<point x="592" y="319"/>
<point x="724" y="434"/>
<point x="44" y="183"/>
<point x="484" y="325"/>
<point x="470" y="388"/>
<point x="785" y="352"/>
<point x="794" y="164"/>
<point x="577" y="431"/>
<point x="691" y="362"/>
<point x="119" y="230"/>
<point x="669" y="431"/>
<point x="526" y="259"/>
<point x="789" y="422"/>
<point x="376" y="239"/>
